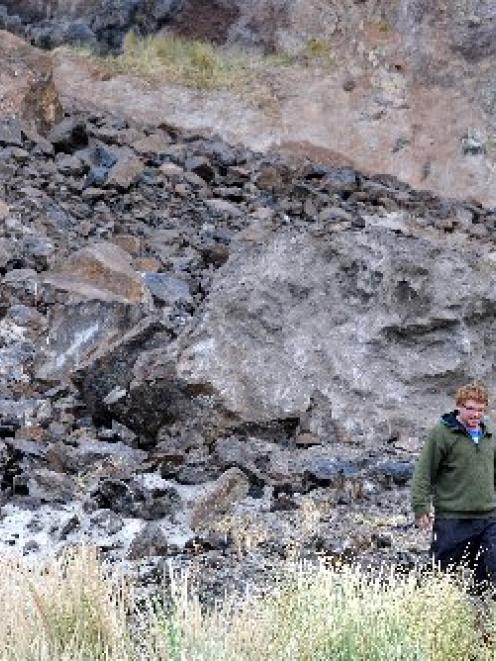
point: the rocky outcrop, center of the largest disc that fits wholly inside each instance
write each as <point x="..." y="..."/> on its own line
<point x="97" y="24"/>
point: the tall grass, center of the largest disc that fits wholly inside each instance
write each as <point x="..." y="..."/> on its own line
<point x="65" y="610"/>
<point x="69" y="609"/>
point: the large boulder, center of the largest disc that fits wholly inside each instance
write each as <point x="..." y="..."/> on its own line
<point x="351" y="333"/>
<point x="134" y="380"/>
<point x="338" y="336"/>
<point x="99" y="298"/>
<point x="26" y="86"/>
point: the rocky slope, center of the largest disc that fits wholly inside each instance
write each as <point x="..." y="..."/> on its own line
<point x="213" y="355"/>
<point x="403" y="87"/>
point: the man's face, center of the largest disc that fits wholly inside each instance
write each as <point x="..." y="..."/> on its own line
<point x="470" y="413"/>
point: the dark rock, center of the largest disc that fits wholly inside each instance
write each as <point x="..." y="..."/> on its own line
<point x="202" y="167"/>
<point x="69" y="136"/>
<point x="210" y="541"/>
<point x="130" y="499"/>
<point x="329" y="472"/>
<point x="69" y="526"/>
<point x="393" y="472"/>
<point x="119" y="496"/>
<point x="196" y="473"/>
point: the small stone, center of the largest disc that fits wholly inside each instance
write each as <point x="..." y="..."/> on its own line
<point x="224" y="208"/>
<point x="349" y="84"/>
<point x="107" y="521"/>
<point x="150" y="541"/>
<point x="171" y="170"/>
<point x="125" y="173"/>
<point x="131" y="244"/>
<point x="69" y="526"/>
<point x="146" y="264"/>
<point x="232" y="486"/>
<point x="30" y="546"/>
<point x="4" y="210"/>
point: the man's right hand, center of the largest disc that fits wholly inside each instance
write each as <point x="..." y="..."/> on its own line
<point x="424" y="521"/>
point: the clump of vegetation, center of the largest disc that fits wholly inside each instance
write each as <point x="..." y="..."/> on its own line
<point x="383" y="26"/>
<point x="64" y="610"/>
<point x="175" y="59"/>
<point x="70" y="609"/>
<point x="317" y="49"/>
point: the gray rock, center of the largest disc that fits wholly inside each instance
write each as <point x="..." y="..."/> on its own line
<point x="125" y="173"/>
<point x="50" y="486"/>
<point x="107" y="521"/>
<point x="167" y="288"/>
<point x="10" y="133"/>
<point x="224" y="208"/>
<point x="70" y="165"/>
<point x="269" y="345"/>
<point x="150" y="541"/>
<point x="231" y="487"/>
<point x="69" y="135"/>
<point x="77" y="330"/>
<point x="90" y="453"/>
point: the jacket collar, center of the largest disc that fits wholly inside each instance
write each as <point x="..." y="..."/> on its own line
<point x="450" y="421"/>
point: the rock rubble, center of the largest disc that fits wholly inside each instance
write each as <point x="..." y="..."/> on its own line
<point x="210" y="352"/>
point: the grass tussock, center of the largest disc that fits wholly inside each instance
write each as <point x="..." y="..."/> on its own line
<point x="66" y="610"/>
<point x="194" y="63"/>
<point x="70" y="609"/>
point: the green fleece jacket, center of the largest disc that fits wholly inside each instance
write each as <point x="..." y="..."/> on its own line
<point x="455" y="473"/>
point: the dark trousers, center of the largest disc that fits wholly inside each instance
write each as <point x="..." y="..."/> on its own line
<point x="469" y="543"/>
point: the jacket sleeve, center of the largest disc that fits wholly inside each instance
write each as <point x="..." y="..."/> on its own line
<point x="424" y="475"/>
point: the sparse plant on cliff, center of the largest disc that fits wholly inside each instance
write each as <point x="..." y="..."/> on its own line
<point x="317" y="49"/>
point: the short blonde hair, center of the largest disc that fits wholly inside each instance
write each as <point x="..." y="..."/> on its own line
<point x="476" y="391"/>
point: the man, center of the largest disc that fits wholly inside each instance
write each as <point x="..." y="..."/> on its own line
<point x="456" y="470"/>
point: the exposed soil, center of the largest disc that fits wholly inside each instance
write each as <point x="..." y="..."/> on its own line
<point x="207" y="21"/>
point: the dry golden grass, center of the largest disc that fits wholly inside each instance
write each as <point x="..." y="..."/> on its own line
<point x="65" y="609"/>
<point x="70" y="610"/>
<point x="203" y="65"/>
<point x="173" y="59"/>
